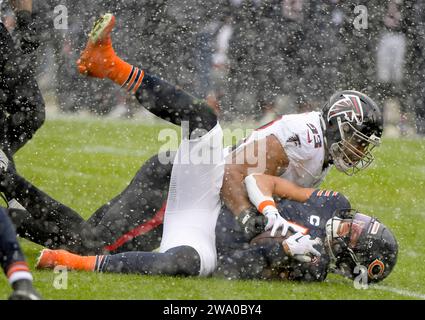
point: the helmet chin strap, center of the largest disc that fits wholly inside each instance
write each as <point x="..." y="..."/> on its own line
<point x="332" y="226"/>
<point x="328" y="157"/>
<point x="338" y="150"/>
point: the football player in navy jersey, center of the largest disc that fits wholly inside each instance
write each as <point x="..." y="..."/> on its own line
<point x="348" y="241"/>
<point x="322" y="214"/>
<point x="351" y="240"/>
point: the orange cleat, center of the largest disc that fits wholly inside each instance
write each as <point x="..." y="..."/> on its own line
<point x="99" y="59"/>
<point x="49" y="259"/>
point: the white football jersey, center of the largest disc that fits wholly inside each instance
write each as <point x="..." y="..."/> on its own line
<point x="301" y="136"/>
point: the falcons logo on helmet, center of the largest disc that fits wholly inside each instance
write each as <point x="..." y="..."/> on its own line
<point x="350" y="107"/>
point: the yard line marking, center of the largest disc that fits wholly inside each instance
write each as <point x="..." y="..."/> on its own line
<point x="66" y="173"/>
<point x="401" y="292"/>
<point x="109" y="150"/>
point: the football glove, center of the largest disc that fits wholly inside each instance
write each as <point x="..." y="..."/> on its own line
<point x="275" y="221"/>
<point x="301" y="247"/>
<point x="251" y="222"/>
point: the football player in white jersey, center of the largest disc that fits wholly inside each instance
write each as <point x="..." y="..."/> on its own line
<point x="300" y="148"/>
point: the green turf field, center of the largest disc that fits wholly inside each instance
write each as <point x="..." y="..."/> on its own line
<point x="86" y="163"/>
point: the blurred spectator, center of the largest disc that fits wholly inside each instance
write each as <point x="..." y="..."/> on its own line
<point x="241" y="94"/>
<point x="324" y="53"/>
<point x="220" y="64"/>
<point x="73" y="91"/>
<point x="359" y="33"/>
<point x="391" y="56"/>
<point x="414" y="26"/>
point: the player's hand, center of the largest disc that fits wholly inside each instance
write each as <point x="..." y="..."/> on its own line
<point x="27" y="34"/>
<point x="300" y="247"/>
<point x="275" y="221"/>
<point x="251" y="222"/>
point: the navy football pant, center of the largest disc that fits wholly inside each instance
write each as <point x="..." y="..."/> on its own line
<point x="182" y="260"/>
<point x="10" y="251"/>
<point x="50" y="223"/>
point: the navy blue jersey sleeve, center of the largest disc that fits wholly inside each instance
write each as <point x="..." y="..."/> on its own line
<point x="254" y="262"/>
<point x="329" y="199"/>
<point x="313" y="271"/>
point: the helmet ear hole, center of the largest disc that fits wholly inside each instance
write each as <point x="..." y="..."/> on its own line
<point x="376" y="270"/>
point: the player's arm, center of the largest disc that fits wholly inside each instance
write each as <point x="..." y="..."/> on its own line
<point x="276" y="186"/>
<point x="262" y="156"/>
<point x="252" y="263"/>
<point x="261" y="188"/>
<point x="272" y="161"/>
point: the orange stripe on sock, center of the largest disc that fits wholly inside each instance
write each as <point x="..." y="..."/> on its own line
<point x="142" y="75"/>
<point x="264" y="204"/>
<point x="130" y="83"/>
<point x="17" y="266"/>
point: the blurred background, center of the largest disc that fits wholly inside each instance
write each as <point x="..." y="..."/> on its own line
<point x="251" y="59"/>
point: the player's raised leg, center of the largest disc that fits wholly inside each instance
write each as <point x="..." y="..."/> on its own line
<point x="171" y="103"/>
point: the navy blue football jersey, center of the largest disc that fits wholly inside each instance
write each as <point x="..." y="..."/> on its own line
<point x="309" y="217"/>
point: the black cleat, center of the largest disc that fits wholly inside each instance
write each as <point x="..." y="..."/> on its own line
<point x="24" y="290"/>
